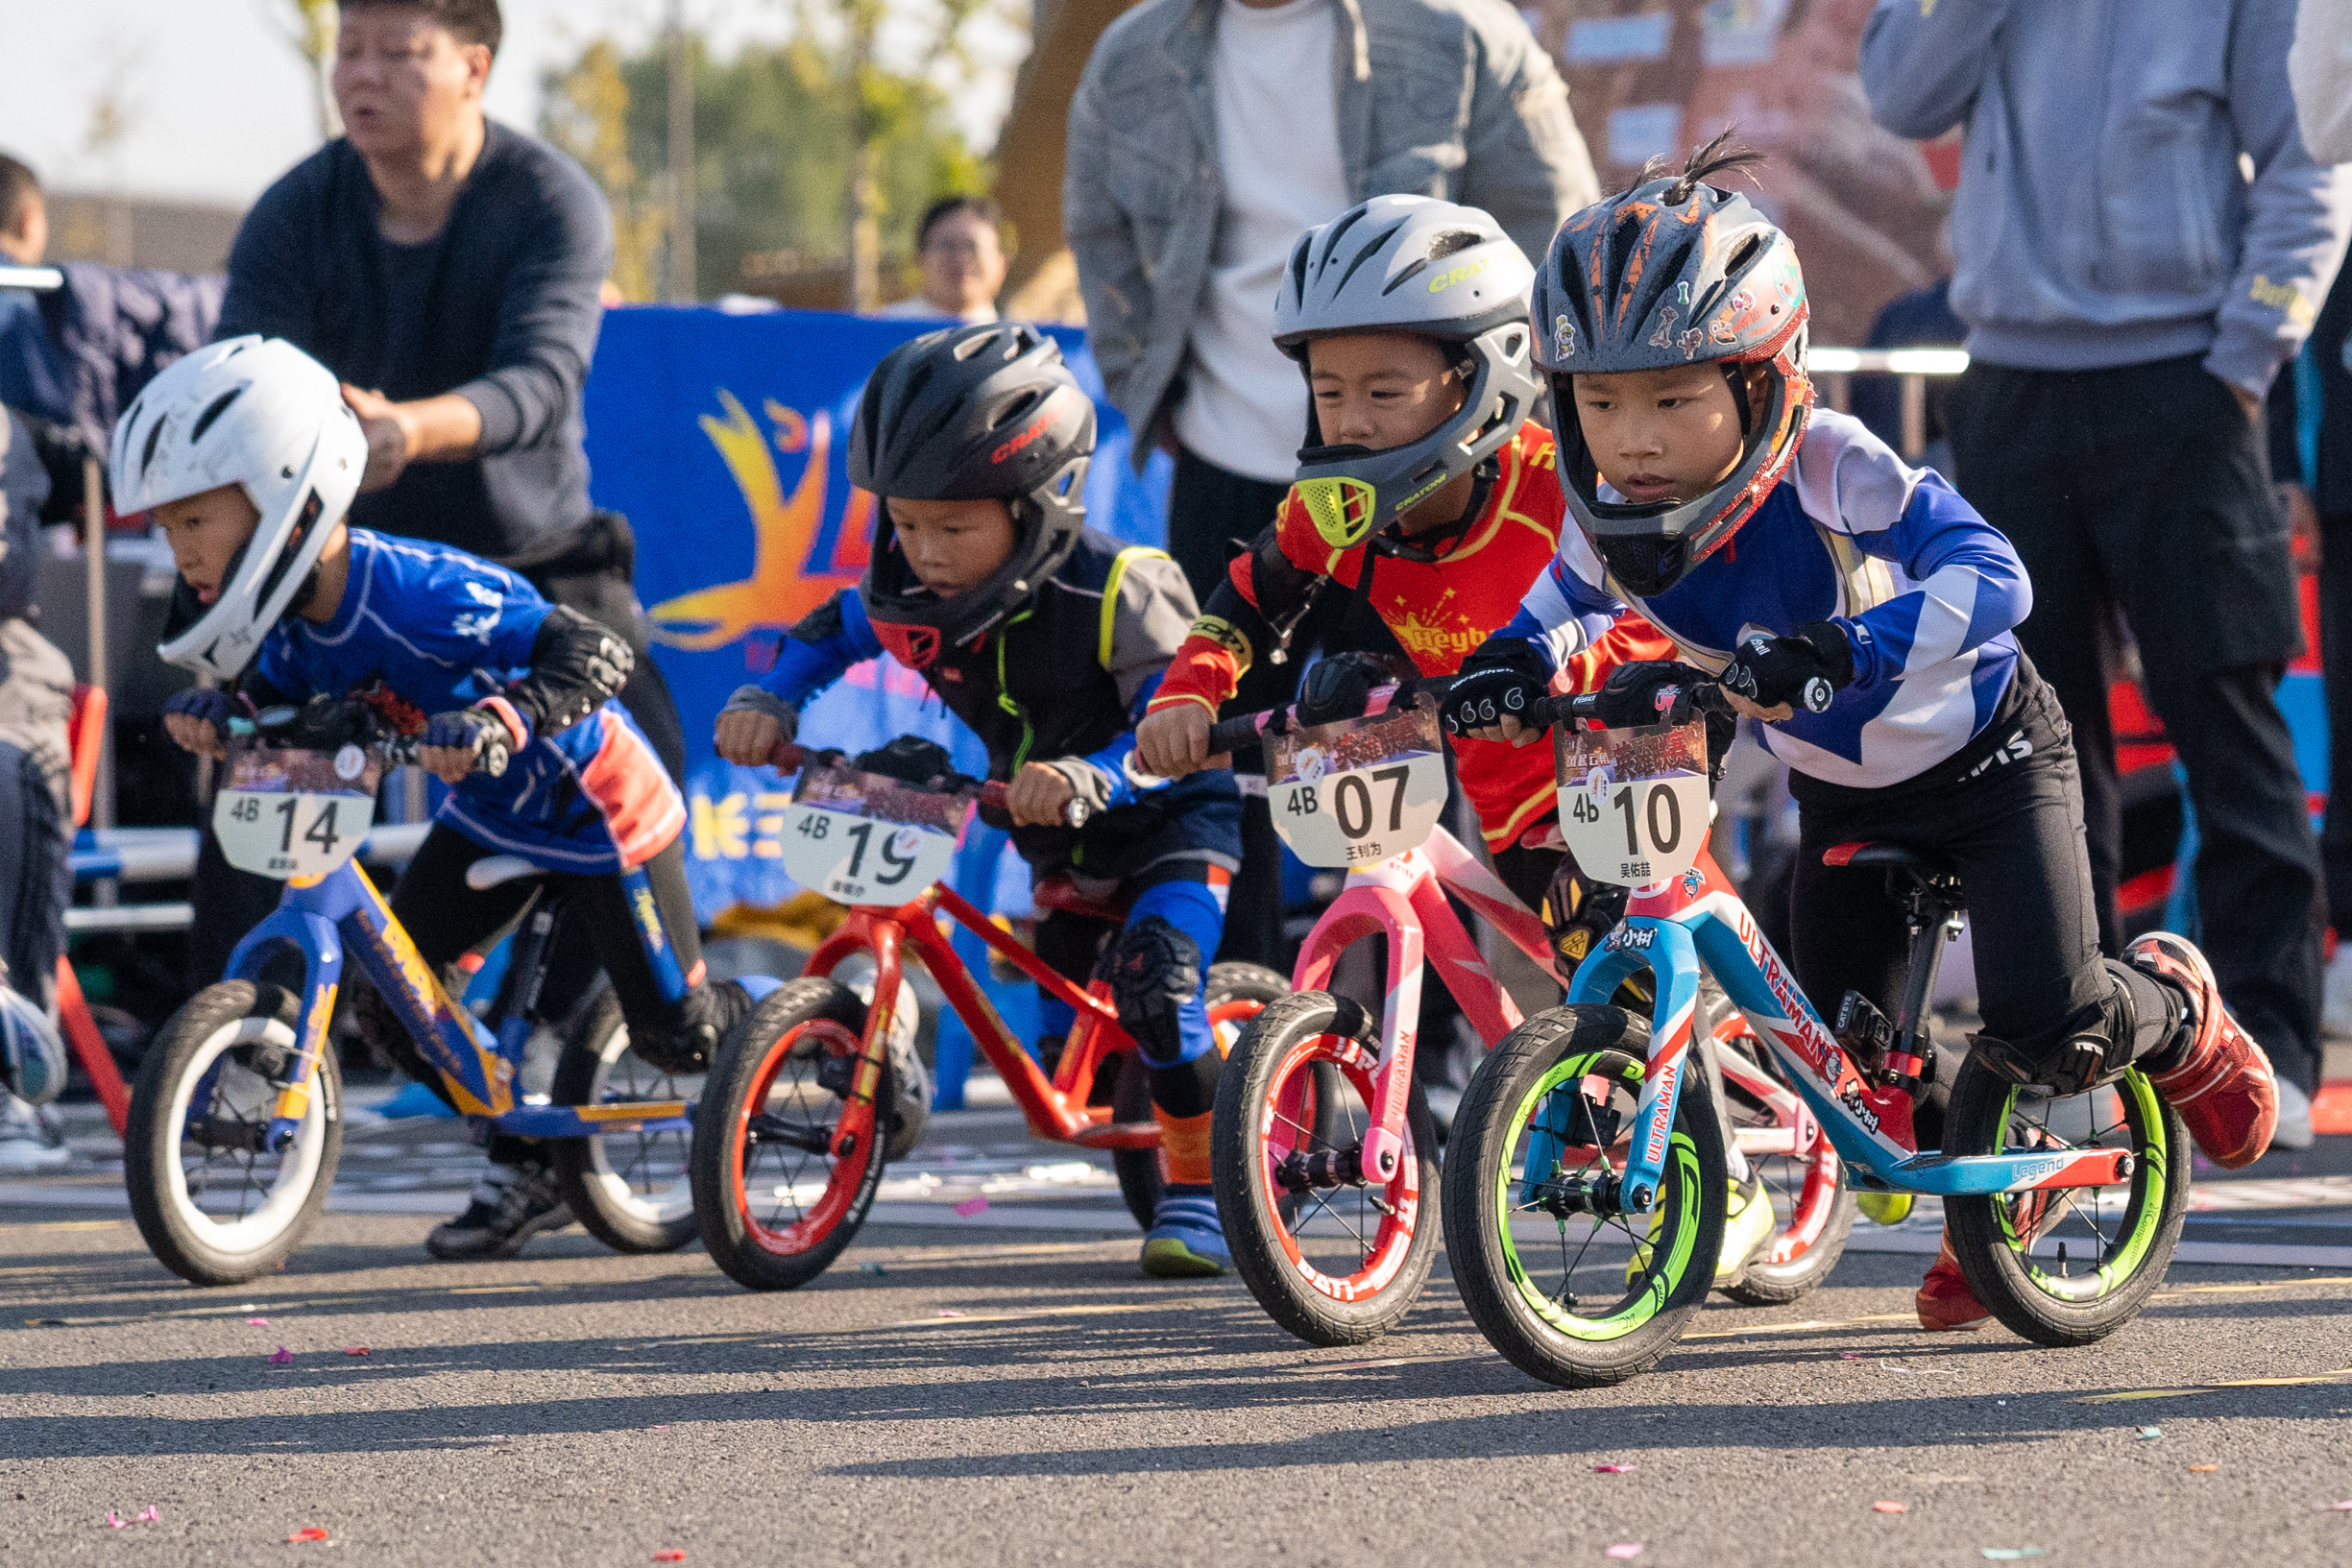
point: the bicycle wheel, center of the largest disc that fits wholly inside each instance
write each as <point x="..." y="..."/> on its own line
<point x="630" y="1190"/>
<point x="2069" y="1266"/>
<point x="1800" y="1170"/>
<point x="215" y="1203"/>
<point x="1531" y="1229"/>
<point x="1332" y="1258"/>
<point x="774" y="1205"/>
<point x="1237" y="993"/>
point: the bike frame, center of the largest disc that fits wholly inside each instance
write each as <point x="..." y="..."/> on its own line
<point x="1669" y="930"/>
<point x="1055" y="1108"/>
<point x="323" y="919"/>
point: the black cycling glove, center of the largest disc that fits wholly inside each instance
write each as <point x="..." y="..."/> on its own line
<point x="1503" y="678"/>
<point x="1804" y="671"/>
<point x="1630" y="693"/>
<point x="1339" y="686"/>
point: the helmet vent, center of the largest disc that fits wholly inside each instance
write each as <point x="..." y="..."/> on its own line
<point x="1749" y="250"/>
<point x="1404" y="277"/>
<point x="218" y="407"/>
<point x="1365" y="255"/>
<point x="147" y="454"/>
<point x="1338" y="229"/>
<point x="1452" y="240"/>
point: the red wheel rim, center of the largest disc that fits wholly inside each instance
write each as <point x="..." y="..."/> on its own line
<point x="843" y="1180"/>
<point x="1286" y="1120"/>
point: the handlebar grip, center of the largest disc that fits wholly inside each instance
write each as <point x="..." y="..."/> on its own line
<point x="993" y="809"/>
<point x="1232" y="735"/>
<point x="786" y="756"/>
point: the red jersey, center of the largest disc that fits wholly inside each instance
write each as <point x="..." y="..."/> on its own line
<point x="1439" y="613"/>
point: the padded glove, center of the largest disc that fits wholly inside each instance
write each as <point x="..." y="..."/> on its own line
<point x="1338" y="686"/>
<point x="477" y="730"/>
<point x="1507" y="681"/>
<point x="1804" y="671"/>
<point x="1630" y="695"/>
<point x="198" y="702"/>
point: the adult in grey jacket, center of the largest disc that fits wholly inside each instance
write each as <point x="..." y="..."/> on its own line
<point x="2129" y="295"/>
<point x="1204" y="137"/>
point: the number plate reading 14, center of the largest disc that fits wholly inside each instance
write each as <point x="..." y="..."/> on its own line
<point x="1359" y="791"/>
<point x="863" y="838"/>
<point x="1634" y="803"/>
<point x="295" y="814"/>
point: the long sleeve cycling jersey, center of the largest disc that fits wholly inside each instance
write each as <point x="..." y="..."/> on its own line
<point x="1435" y="612"/>
<point x="1925" y="591"/>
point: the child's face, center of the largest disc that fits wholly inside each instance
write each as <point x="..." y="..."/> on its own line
<point x="952" y="547"/>
<point x="1660" y="434"/>
<point x="204" y="532"/>
<point x="1380" y="389"/>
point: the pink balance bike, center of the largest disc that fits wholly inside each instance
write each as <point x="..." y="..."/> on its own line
<point x="1323" y="1149"/>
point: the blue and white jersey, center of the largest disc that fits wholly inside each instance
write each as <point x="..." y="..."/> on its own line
<point x="1925" y="589"/>
<point x="440" y="630"/>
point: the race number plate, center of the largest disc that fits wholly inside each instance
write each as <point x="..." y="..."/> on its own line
<point x="1633" y="803"/>
<point x="289" y="812"/>
<point x="865" y="838"/>
<point x="1358" y="791"/>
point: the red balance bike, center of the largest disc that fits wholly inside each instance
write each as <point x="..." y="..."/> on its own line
<point x="806" y="1102"/>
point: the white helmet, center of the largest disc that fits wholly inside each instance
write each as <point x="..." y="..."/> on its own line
<point x="253" y="412"/>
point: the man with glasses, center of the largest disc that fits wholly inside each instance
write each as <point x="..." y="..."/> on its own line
<point x="963" y="261"/>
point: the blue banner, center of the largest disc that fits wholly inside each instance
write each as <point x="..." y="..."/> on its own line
<point x="723" y="438"/>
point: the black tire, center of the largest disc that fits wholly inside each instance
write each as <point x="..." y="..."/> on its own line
<point x="2110" y="1252"/>
<point x="1326" y="1291"/>
<point x="1809" y="1189"/>
<point x="770" y="1060"/>
<point x="1236" y="992"/>
<point x="633" y="1190"/>
<point x="1539" y="1069"/>
<point x="235" y="1042"/>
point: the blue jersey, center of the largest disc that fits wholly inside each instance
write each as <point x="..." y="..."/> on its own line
<point x="439" y="629"/>
<point x="1925" y="591"/>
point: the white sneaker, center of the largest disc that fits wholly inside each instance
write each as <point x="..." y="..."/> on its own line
<point x="2335" y="995"/>
<point x="2294" y="1130"/>
<point x="30" y="1138"/>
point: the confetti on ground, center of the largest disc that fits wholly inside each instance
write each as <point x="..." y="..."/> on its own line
<point x="1612" y="1469"/>
<point x="1890" y="1507"/>
<point x="256" y="1322"/>
<point x="1853" y="1356"/>
<point x="670" y="1554"/>
<point x="951" y="1312"/>
<point x="2203" y="1469"/>
<point x="1624" y="1549"/>
<point x="2012" y="1554"/>
<point x="354" y="1350"/>
<point x="2148" y="1434"/>
<point x="115" y="1521"/>
<point x="308" y="1533"/>
<point x="661" y="1426"/>
<point x="46" y="1322"/>
<point x="2334" y="1507"/>
<point x="870" y="1267"/>
<point x="971" y="1206"/>
<point x="282" y="1357"/>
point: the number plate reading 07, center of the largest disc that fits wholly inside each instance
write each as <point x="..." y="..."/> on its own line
<point x="1359" y="791"/>
<point x="865" y="838"/>
<point x="1633" y="803"/>
<point x="286" y="813"/>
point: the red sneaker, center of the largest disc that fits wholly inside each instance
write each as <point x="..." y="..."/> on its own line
<point x="1945" y="1302"/>
<point x="2223" y="1088"/>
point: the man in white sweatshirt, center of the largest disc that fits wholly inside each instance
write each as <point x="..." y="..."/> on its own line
<point x="2320" y="67"/>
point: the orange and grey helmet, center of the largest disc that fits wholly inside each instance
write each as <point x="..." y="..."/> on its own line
<point x="1674" y="272"/>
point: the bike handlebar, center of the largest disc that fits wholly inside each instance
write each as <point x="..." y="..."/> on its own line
<point x="786" y="757"/>
<point x="1246" y="730"/>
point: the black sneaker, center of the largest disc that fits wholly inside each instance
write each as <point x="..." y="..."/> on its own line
<point x="511" y="1204"/>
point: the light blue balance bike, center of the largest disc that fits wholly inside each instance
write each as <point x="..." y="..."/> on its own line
<point x="236" y="1116"/>
<point x="1579" y="1139"/>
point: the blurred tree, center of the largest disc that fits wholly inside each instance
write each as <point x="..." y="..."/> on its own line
<point x="780" y="132"/>
<point x="584" y="110"/>
<point x="312" y="33"/>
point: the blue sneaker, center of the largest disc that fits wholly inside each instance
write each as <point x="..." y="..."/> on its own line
<point x="1185" y="1241"/>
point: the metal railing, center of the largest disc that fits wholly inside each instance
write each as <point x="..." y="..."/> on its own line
<point x="1833" y="370"/>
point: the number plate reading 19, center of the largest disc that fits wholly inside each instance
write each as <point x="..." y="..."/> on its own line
<point x="863" y="838"/>
<point x="1634" y="803"/>
<point x="295" y="814"/>
<point x="1360" y="792"/>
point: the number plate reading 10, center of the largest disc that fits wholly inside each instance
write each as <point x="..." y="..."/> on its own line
<point x="1357" y="792"/>
<point x="1634" y="803"/>
<point x="274" y="833"/>
<point x="861" y="859"/>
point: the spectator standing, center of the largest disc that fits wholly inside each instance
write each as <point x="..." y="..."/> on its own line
<point x="961" y="254"/>
<point x="24" y="214"/>
<point x="2129" y="295"/>
<point x="450" y="271"/>
<point x="1204" y="137"/>
<point x="2320" y="65"/>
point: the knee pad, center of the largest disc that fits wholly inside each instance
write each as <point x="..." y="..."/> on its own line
<point x="2089" y="1046"/>
<point x="1154" y="971"/>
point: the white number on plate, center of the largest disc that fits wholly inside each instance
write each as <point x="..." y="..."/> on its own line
<point x="863" y="859"/>
<point x="1362" y="816"/>
<point x="274" y="833"/>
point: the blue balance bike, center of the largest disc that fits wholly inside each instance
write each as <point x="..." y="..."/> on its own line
<point x="236" y="1116"/>
<point x="1586" y="1194"/>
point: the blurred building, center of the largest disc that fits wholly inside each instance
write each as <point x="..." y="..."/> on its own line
<point x="140" y="232"/>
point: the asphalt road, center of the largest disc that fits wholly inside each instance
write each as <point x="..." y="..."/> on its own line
<point x="1004" y="1388"/>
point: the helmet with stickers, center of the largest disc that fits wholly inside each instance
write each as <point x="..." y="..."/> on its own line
<point x="1409" y="264"/>
<point x="1675" y="272"/>
<point x="970" y="413"/>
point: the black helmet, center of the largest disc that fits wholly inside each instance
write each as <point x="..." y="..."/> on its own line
<point x="972" y="413"/>
<point x="1674" y="272"/>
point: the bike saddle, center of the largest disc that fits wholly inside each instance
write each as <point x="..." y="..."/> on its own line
<point x="497" y="869"/>
<point x="1926" y="864"/>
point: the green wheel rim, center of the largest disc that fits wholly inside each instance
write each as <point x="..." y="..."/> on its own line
<point x="2144" y="1120"/>
<point x="1663" y="1282"/>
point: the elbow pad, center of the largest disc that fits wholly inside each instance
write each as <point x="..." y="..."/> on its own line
<point x="576" y="666"/>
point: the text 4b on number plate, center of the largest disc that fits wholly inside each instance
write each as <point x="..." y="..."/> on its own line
<point x="863" y="838"/>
